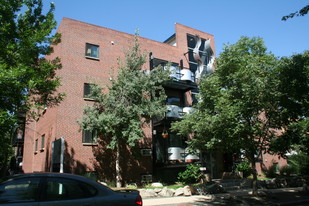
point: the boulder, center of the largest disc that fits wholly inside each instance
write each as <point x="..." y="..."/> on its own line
<point x="157" y="184"/>
<point x="166" y="192"/>
<point x="179" y="192"/>
<point x="187" y="191"/>
<point x="147" y="193"/>
<point x="157" y="190"/>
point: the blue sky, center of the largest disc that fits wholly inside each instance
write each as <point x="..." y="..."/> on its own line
<point x="227" y="20"/>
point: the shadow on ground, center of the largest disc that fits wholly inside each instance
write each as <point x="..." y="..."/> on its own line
<point x="286" y="196"/>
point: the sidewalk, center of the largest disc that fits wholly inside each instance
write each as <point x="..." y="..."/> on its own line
<point x="276" y="197"/>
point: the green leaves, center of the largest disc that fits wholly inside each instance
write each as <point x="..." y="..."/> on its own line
<point x="301" y="12"/>
<point x="249" y="98"/>
<point x="27" y="79"/>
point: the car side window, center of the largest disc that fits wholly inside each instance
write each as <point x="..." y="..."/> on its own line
<point x="66" y="189"/>
<point x="20" y="190"/>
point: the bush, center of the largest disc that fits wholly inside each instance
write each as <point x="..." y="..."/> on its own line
<point x="300" y="163"/>
<point x="244" y="167"/>
<point x="271" y="172"/>
<point x="191" y="175"/>
<point x="287" y="170"/>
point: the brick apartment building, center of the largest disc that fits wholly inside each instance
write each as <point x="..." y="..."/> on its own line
<point x="89" y="55"/>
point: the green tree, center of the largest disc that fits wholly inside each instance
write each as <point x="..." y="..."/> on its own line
<point x="292" y="74"/>
<point x="301" y="12"/>
<point x="27" y="79"/>
<point x="133" y="98"/>
<point x="236" y="109"/>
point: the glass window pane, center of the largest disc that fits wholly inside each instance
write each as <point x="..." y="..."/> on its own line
<point x="65" y="189"/>
<point x="191" y="58"/>
<point x="89" y="136"/>
<point x="92" y="51"/>
<point x="193" y="67"/>
<point x="86" y="89"/>
<point x="191" y="41"/>
<point x="95" y="51"/>
<point x="23" y="190"/>
<point x="43" y="141"/>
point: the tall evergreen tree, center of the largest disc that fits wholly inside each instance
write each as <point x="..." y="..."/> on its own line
<point x="27" y="79"/>
<point x="133" y="98"/>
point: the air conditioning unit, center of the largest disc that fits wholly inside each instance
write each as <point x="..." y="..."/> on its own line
<point x="146" y="152"/>
<point x="146" y="178"/>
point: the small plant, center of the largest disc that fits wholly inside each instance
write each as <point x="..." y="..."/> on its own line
<point x="244" y="167"/>
<point x="191" y="175"/>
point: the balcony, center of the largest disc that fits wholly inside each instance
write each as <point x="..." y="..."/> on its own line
<point x="181" y="78"/>
<point x="174" y="111"/>
<point x="182" y="155"/>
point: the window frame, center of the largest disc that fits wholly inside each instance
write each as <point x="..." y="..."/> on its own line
<point x="36" y="146"/>
<point x="91" y="47"/>
<point x="42" y="143"/>
<point x="93" y="136"/>
<point x="87" y="87"/>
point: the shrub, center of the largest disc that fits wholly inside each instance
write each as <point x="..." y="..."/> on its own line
<point x="300" y="163"/>
<point x="287" y="170"/>
<point x="244" y="167"/>
<point x="191" y="175"/>
<point x="271" y="172"/>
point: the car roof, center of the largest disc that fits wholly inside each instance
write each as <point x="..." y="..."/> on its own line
<point x="57" y="175"/>
<point x="50" y="174"/>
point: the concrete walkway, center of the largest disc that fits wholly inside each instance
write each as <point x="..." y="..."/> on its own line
<point x="278" y="197"/>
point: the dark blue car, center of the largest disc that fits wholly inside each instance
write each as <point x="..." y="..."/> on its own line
<point x="38" y="189"/>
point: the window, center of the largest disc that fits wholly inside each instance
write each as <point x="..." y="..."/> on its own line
<point x="65" y="189"/>
<point x="19" y="191"/>
<point x="175" y="97"/>
<point x="204" y="52"/>
<point x="36" y="146"/>
<point x="89" y="137"/>
<point x="92" y="51"/>
<point x="42" y="142"/>
<point x="87" y="90"/>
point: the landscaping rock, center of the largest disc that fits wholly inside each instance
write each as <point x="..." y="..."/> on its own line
<point x="147" y="193"/>
<point x="179" y="192"/>
<point x="166" y="192"/>
<point x="157" y="190"/>
<point x="157" y="184"/>
<point x="187" y="191"/>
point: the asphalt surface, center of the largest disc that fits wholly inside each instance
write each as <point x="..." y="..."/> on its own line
<point x="270" y="197"/>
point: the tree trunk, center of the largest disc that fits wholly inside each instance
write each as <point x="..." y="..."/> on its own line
<point x="254" y="173"/>
<point x="118" y="169"/>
